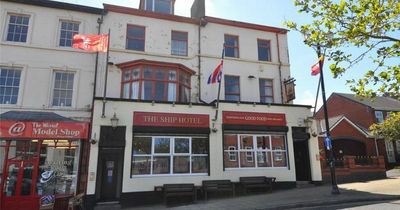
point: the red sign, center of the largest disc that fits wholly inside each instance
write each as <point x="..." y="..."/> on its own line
<point x="171" y="119"/>
<point x="43" y="130"/>
<point x="253" y="118"/>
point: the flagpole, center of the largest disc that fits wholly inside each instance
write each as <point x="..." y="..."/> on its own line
<point x="335" y="189"/>
<point x="316" y="98"/>
<point x="220" y="81"/>
<point x="106" y="77"/>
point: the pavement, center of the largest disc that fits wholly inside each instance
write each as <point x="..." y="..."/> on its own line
<point x="310" y="196"/>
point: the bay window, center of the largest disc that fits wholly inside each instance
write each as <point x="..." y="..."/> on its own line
<point x="158" y="83"/>
<point x="168" y="155"/>
<point x="255" y="151"/>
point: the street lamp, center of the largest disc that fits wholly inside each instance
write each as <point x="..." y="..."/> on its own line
<point x="328" y="139"/>
<point x="114" y="121"/>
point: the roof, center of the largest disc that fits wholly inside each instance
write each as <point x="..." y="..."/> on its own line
<point x="334" y="121"/>
<point x="378" y="103"/>
<point x="59" y="5"/>
<point x="34" y="116"/>
<point x="176" y="18"/>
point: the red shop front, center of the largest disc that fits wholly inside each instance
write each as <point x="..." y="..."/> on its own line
<point x="42" y="160"/>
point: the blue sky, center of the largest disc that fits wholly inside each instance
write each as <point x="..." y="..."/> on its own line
<point x="272" y="13"/>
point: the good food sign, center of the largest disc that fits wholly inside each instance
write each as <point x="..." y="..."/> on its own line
<point x="50" y="130"/>
<point x="253" y="118"/>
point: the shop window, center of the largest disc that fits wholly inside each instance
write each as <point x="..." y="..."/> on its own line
<point x="266" y="91"/>
<point x="264" y="50"/>
<point x="148" y="82"/>
<point x="135" y="38"/>
<point x="63" y="88"/>
<point x="17" y="30"/>
<point x="153" y="155"/>
<point x="9" y="85"/>
<point x="232" y="88"/>
<point x="67" y="31"/>
<point x="56" y="170"/>
<point x="231" y="46"/>
<point x="270" y="151"/>
<point x="179" y="43"/>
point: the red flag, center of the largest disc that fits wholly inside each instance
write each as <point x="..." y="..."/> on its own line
<point x="91" y="43"/>
<point x="216" y="75"/>
<point x="315" y="69"/>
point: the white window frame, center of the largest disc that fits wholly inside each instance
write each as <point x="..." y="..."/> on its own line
<point x="7" y="24"/>
<point x="171" y="155"/>
<point x="20" y="86"/>
<point x="249" y="154"/>
<point x="154" y="7"/>
<point x="74" y="90"/>
<point x="61" y="20"/>
<point x="232" y="155"/>
<point x="379" y="116"/>
<point x="256" y="150"/>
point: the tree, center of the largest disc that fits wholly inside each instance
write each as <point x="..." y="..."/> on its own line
<point x="372" y="26"/>
<point x="389" y="129"/>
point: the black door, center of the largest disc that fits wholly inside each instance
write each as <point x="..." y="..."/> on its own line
<point x="110" y="162"/>
<point x="302" y="160"/>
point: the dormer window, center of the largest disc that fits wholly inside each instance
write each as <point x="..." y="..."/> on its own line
<point x="161" y="6"/>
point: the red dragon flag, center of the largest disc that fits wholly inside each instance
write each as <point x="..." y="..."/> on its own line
<point x="91" y="43"/>
<point x="316" y="69"/>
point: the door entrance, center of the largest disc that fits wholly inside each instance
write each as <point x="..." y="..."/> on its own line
<point x="19" y="187"/>
<point x="111" y="161"/>
<point x="302" y="160"/>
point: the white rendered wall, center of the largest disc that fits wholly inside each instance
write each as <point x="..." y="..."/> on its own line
<point x="40" y="56"/>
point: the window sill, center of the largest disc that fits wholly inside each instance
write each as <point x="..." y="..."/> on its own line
<point x="260" y="168"/>
<point x="167" y="175"/>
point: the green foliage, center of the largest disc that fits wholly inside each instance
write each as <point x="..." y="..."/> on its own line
<point x="373" y="26"/>
<point x="389" y="129"/>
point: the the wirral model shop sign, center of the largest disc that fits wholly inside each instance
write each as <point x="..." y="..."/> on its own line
<point x="50" y="130"/>
<point x="170" y="119"/>
<point x="253" y="118"/>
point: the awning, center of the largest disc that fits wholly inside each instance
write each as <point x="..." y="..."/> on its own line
<point x="41" y="125"/>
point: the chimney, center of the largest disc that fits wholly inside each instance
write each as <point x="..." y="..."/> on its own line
<point x="198" y="9"/>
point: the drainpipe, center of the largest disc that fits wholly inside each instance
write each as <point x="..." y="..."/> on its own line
<point x="199" y="58"/>
<point x="280" y="67"/>
<point x="99" y="21"/>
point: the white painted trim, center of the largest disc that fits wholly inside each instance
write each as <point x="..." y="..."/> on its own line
<point x="352" y="124"/>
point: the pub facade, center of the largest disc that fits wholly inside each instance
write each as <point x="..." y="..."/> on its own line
<point x="158" y="121"/>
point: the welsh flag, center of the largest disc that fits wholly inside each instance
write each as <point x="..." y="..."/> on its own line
<point x="90" y="42"/>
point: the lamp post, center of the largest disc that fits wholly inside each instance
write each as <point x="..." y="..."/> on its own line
<point x="335" y="189"/>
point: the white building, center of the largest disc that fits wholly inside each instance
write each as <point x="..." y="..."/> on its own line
<point x="46" y="90"/>
<point x="169" y="130"/>
<point x="169" y="127"/>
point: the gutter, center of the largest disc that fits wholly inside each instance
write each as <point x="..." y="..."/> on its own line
<point x="280" y="66"/>
<point x="199" y="57"/>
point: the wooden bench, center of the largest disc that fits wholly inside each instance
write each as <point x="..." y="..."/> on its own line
<point x="218" y="186"/>
<point x="257" y="182"/>
<point x="177" y="190"/>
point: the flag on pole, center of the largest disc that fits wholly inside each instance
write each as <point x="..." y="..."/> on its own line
<point x="216" y="75"/>
<point x="316" y="69"/>
<point x="91" y="43"/>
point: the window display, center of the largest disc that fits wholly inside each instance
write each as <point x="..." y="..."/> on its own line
<point x="154" y="155"/>
<point x="255" y="151"/>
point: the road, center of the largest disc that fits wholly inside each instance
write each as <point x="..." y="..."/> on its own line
<point x="384" y="205"/>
